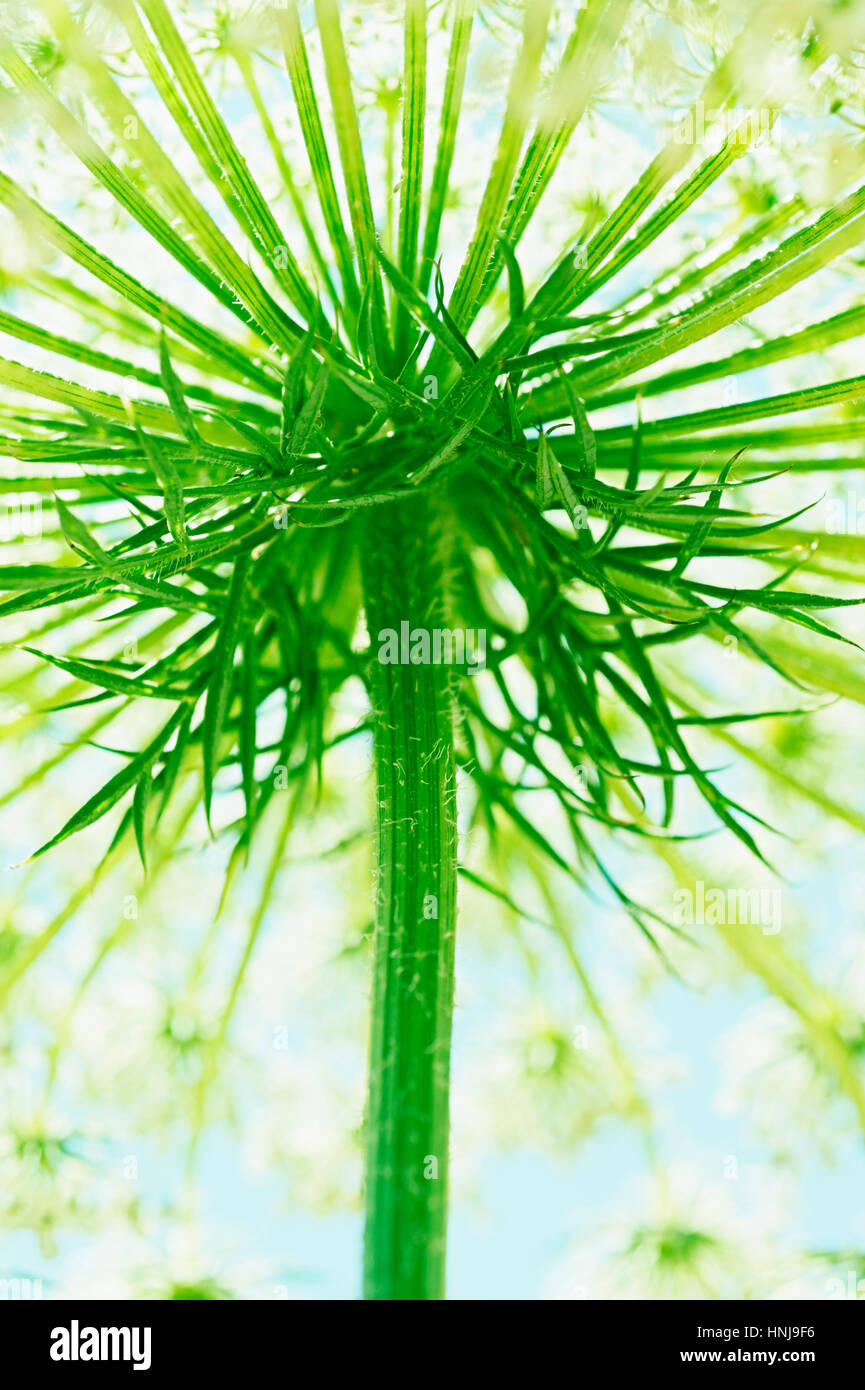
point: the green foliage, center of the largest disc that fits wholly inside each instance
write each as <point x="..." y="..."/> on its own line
<point x="276" y="408"/>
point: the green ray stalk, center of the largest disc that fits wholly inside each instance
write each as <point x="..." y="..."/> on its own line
<point x="413" y="981"/>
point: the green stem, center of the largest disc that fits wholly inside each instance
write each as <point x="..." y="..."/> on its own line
<point x="248" y="74"/>
<point x="412" y="1004"/>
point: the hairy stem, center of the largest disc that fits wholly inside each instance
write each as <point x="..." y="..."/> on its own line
<point x="412" y="1004"/>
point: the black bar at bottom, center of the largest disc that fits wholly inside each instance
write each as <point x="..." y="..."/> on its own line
<point x="87" y="1339"/>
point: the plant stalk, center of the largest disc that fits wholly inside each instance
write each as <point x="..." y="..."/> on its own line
<point x="415" y="915"/>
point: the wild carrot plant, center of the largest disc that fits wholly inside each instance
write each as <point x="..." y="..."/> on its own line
<point x="340" y="449"/>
